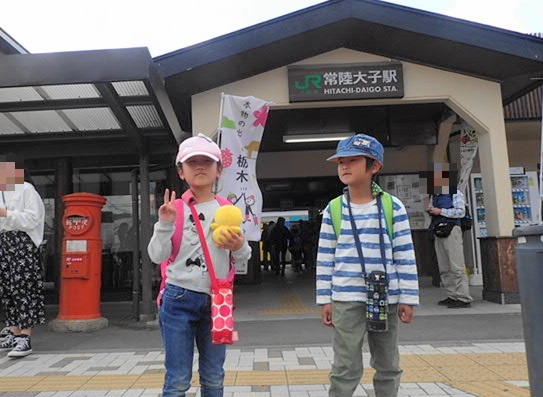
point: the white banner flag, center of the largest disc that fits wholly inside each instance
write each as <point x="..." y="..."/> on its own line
<point x="468" y="150"/>
<point x="242" y="123"/>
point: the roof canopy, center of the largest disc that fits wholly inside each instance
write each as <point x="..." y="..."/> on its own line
<point x="372" y="26"/>
<point x="89" y="102"/>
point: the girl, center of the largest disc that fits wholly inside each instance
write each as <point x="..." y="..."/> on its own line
<point x="22" y="217"/>
<point x="185" y="315"/>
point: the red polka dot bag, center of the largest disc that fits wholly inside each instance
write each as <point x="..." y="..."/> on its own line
<point x="222" y="295"/>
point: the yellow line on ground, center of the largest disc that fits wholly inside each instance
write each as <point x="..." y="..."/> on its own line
<point x="466" y="372"/>
<point x="292" y="304"/>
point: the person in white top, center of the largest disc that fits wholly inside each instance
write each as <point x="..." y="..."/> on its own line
<point x="22" y="217"/>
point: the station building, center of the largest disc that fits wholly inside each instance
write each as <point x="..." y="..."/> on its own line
<point x="109" y="121"/>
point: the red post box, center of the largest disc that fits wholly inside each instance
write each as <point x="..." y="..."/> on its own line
<point x="81" y="268"/>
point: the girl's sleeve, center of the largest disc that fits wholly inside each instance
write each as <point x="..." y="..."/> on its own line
<point x="242" y="255"/>
<point x="160" y="246"/>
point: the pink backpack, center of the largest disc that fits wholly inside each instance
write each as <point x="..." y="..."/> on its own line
<point x="178" y="236"/>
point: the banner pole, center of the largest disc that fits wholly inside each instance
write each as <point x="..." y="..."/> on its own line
<point x="219" y="129"/>
<point x="219" y="135"/>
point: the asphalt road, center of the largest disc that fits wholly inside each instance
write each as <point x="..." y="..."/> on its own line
<point x="425" y="329"/>
<point x="435" y="330"/>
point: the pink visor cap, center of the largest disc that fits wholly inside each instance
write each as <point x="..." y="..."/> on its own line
<point x="199" y="145"/>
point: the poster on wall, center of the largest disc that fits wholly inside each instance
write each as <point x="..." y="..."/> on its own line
<point x="406" y="188"/>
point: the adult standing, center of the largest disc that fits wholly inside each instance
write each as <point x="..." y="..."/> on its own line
<point x="447" y="207"/>
<point x="22" y="217"/>
<point x="266" y="245"/>
<point x="279" y="237"/>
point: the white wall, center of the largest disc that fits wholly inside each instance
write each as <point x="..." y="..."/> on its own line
<point x="476" y="101"/>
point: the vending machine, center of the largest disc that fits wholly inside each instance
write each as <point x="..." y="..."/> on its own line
<point x="525" y="193"/>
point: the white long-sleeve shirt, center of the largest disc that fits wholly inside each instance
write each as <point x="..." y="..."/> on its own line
<point x="25" y="211"/>
<point x="189" y="270"/>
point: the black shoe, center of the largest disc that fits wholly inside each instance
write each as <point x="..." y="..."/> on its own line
<point x="22" y="346"/>
<point x="458" y="305"/>
<point x="446" y="302"/>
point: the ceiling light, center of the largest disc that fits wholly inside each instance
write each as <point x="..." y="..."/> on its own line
<point x="299" y="138"/>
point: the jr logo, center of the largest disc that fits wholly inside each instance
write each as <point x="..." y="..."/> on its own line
<point x="311" y="81"/>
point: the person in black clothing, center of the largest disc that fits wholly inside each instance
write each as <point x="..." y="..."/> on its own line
<point x="279" y="237"/>
<point x="295" y="248"/>
<point x="310" y="236"/>
<point x="266" y="245"/>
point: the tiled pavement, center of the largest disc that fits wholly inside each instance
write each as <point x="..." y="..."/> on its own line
<point x="456" y="369"/>
<point x="483" y="369"/>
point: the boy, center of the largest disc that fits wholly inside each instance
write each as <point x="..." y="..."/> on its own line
<point x="341" y="285"/>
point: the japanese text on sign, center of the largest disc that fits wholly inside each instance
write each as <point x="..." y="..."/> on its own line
<point x="76" y="223"/>
<point x="345" y="81"/>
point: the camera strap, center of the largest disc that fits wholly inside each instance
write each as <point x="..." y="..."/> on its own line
<point x="357" y="238"/>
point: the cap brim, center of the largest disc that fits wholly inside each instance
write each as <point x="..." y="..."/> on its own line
<point x="336" y="156"/>
<point x="192" y="154"/>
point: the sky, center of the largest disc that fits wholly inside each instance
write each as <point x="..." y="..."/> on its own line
<point x="164" y="26"/>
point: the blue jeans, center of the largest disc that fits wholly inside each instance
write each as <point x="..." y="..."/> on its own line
<point x="185" y="317"/>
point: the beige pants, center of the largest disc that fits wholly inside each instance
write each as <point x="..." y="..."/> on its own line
<point x="348" y="336"/>
<point x="452" y="267"/>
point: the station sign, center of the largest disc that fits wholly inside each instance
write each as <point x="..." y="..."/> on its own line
<point x="345" y="81"/>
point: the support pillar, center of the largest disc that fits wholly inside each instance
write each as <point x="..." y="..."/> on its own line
<point x="499" y="268"/>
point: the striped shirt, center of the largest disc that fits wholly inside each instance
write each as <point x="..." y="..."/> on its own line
<point x="339" y="272"/>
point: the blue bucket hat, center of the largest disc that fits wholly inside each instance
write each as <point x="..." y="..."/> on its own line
<point x="359" y="145"/>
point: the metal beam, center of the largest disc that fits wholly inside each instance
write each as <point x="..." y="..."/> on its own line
<point x="73" y="103"/>
<point x="148" y="307"/>
<point x="121" y="113"/>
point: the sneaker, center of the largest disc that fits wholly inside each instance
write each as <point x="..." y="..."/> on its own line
<point x="458" y="305"/>
<point x="446" y="302"/>
<point x="7" y="342"/>
<point x="4" y="332"/>
<point x="22" y="347"/>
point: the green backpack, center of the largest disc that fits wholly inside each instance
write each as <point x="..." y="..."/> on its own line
<point x="388" y="209"/>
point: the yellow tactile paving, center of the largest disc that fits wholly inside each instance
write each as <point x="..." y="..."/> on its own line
<point x="16" y="382"/>
<point x="53" y="383"/>
<point x="446" y="360"/>
<point x="411" y="360"/>
<point x="510" y="371"/>
<point x="307" y="377"/>
<point x="367" y="377"/>
<point x="422" y="375"/>
<point x="111" y="382"/>
<point x="482" y="375"/>
<point x="260" y="378"/>
<point x="491" y="389"/>
<point x="292" y="304"/>
<point x="468" y="374"/>
<point x="498" y="358"/>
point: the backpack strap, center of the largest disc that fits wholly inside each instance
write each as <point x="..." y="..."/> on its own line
<point x="388" y="209"/>
<point x="178" y="234"/>
<point x="336" y="206"/>
<point x="177" y="237"/>
<point x="176" y="245"/>
<point x="336" y="213"/>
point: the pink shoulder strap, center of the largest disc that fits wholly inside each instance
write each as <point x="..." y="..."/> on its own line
<point x="177" y="237"/>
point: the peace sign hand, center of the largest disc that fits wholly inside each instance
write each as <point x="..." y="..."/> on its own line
<point x="167" y="211"/>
